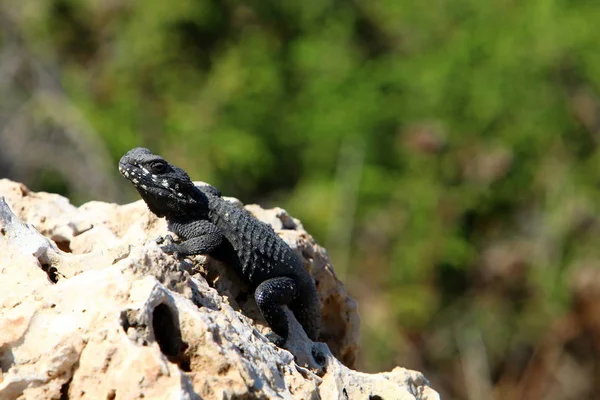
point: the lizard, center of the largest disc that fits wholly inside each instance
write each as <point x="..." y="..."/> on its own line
<point x="206" y="223"/>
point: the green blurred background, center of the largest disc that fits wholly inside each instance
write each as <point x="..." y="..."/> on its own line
<point x="444" y="152"/>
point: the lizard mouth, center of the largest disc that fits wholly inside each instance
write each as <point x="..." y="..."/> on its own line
<point x="134" y="174"/>
<point x="127" y="170"/>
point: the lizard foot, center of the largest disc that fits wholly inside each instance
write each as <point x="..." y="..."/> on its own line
<point x="168" y="245"/>
<point x="275" y="339"/>
<point x="318" y="356"/>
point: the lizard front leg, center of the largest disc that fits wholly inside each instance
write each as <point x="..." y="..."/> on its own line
<point x="200" y="237"/>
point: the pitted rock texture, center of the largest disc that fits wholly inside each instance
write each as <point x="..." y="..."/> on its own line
<point x="93" y="309"/>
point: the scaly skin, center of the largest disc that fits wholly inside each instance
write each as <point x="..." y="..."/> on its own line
<point x="208" y="224"/>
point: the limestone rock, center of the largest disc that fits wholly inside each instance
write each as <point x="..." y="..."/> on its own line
<point x="91" y="308"/>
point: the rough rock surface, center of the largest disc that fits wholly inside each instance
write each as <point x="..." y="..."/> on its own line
<point x="92" y="308"/>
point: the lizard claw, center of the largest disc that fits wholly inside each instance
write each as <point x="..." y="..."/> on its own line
<point x="162" y="239"/>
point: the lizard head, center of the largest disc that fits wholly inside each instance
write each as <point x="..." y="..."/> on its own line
<point x="166" y="189"/>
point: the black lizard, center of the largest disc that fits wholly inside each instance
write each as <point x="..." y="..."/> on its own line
<point x="209" y="224"/>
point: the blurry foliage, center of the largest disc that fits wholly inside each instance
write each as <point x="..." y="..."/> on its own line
<point x="446" y="152"/>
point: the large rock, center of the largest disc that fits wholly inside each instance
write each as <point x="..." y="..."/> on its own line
<point x="94" y="309"/>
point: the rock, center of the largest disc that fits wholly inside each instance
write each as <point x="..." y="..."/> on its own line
<point x="93" y="309"/>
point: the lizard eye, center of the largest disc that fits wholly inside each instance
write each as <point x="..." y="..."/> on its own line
<point x="158" y="166"/>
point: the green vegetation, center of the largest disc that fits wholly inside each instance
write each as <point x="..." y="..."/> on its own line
<point x="446" y="153"/>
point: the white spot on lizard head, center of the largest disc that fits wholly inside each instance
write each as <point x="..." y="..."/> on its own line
<point x="165" y="183"/>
